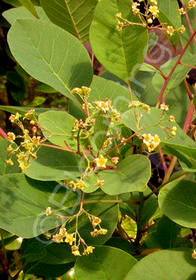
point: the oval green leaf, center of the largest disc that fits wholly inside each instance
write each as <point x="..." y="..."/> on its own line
<point x="165" y="265"/>
<point x="177" y="200"/>
<point x="57" y="128"/>
<point x="53" y="164"/>
<point x="72" y="15"/>
<point x="120" y="52"/>
<point x="50" y="54"/>
<point x="106" y="263"/>
<point x="23" y="203"/>
<point x="132" y="174"/>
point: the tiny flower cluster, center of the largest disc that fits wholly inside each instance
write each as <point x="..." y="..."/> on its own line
<point x="150" y="141"/>
<point x="29" y="141"/>
<point x="136" y="104"/>
<point x="97" y="229"/>
<point x="191" y="4"/>
<point x="74" y="239"/>
<point x="83" y="91"/>
<point x="170" y="30"/>
<point x="106" y="107"/>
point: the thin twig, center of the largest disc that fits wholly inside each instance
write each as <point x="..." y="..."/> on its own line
<point x="173" y="69"/>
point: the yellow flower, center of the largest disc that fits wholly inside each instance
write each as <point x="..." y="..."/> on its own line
<point x="173" y="133"/>
<point x="156" y="140"/>
<point x="170" y="30"/>
<point x="147" y="138"/>
<point x="57" y="238"/>
<point x="164" y="107"/>
<point x="23" y="165"/>
<point x="171" y="118"/>
<point x="75" y="251"/>
<point x="29" y="115"/>
<point x="95" y="232"/>
<point x="103" y="231"/>
<point x="192" y="3"/>
<point x="21" y="156"/>
<point x="9" y="161"/>
<point x="100" y="183"/>
<point x="181" y="29"/>
<point x="88" y="250"/>
<point x="70" y="239"/>
<point x="181" y="11"/>
<point x="11" y="136"/>
<point x="85" y="90"/>
<point x="36" y="140"/>
<point x="151" y="147"/>
<point x="135" y="9"/>
<point x="174" y="128"/>
<point x="154" y="10"/>
<point x="115" y="160"/>
<point x="101" y="161"/>
<point x="63" y="232"/>
<point x="48" y="211"/>
<point x="80" y="185"/>
<point x="76" y="90"/>
<point x="120" y="26"/>
<point x="146" y="107"/>
<point x="135" y="103"/>
<point x="14" y="118"/>
<point x="104" y="106"/>
<point x="95" y="221"/>
<point x="9" y="149"/>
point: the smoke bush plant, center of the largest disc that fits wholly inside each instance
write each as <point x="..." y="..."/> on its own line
<point x="102" y="186"/>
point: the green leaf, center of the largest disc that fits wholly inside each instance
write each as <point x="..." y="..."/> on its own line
<point x="120" y="52"/>
<point x="47" y="270"/>
<point x="14" y="14"/>
<point x="72" y="15"/>
<point x="102" y="89"/>
<point x="23" y="203"/>
<point x="53" y="164"/>
<point x="177" y="200"/>
<point x="5" y="168"/>
<point x="132" y="174"/>
<point x="3" y="156"/>
<point x="29" y="6"/>
<point x="50" y="54"/>
<point x="22" y="110"/>
<point x="169" y="14"/>
<point x="57" y="128"/>
<point x="44" y="88"/>
<point x="163" y="235"/>
<point x="186" y="156"/>
<point x="170" y="10"/>
<point x="151" y="122"/>
<point x="149" y="207"/>
<point x="106" y="263"/>
<point x="101" y="126"/>
<point x="45" y="251"/>
<point x="165" y="265"/>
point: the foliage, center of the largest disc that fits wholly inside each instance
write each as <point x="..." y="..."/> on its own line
<point x="97" y="158"/>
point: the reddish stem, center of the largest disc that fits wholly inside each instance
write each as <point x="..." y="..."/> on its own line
<point x="162" y="160"/>
<point x="2" y="133"/>
<point x="188" y="90"/>
<point x="189" y="116"/>
<point x="173" y="69"/>
<point x="189" y="23"/>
